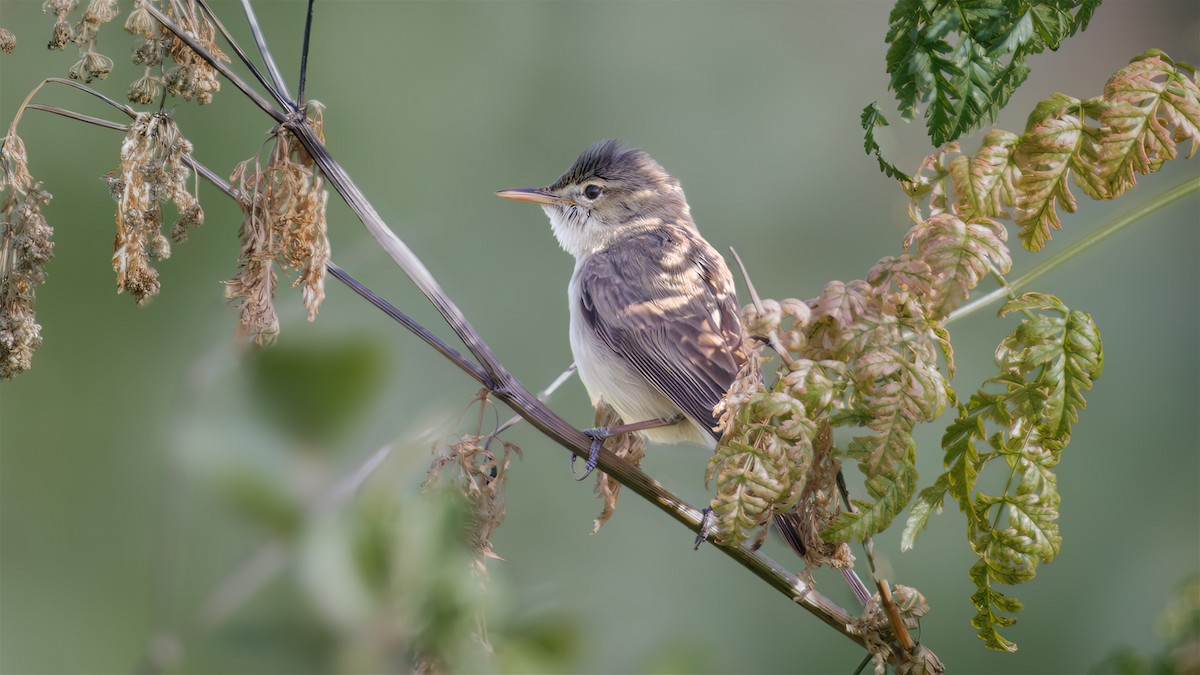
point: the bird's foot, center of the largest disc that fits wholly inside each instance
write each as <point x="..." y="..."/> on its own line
<point x="708" y="525"/>
<point x="598" y="436"/>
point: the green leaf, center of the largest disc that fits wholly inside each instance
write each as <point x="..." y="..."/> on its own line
<point x="1015" y="37"/>
<point x="928" y="501"/>
<point x="873" y="117"/>
<point x="987" y="620"/>
<point x="1032" y="300"/>
<point x="1036" y="522"/>
<point x="964" y="103"/>
<point x="1051" y="149"/>
<point x="966" y="58"/>
<point x="1072" y="372"/>
<point x="1053" y="25"/>
<point x="263" y="501"/>
<point x="891" y="488"/>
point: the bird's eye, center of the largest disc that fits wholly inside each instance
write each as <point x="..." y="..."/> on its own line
<point x="592" y="191"/>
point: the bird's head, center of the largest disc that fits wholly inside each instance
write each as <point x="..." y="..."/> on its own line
<point x="610" y="190"/>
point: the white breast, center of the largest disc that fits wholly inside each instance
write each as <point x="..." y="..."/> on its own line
<point x="609" y="378"/>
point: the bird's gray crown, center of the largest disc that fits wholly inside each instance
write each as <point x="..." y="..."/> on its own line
<point x="614" y="161"/>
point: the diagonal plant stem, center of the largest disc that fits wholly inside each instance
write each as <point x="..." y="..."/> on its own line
<point x="1170" y="197"/>
<point x="261" y="40"/>
<point x="279" y="94"/>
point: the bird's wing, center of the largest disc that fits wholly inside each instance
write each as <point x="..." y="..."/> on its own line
<point x="664" y="300"/>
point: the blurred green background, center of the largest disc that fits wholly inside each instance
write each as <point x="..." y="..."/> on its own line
<point x="142" y="462"/>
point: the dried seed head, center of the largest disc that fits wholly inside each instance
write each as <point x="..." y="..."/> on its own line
<point x="61" y="36"/>
<point x="285" y="225"/>
<point x="158" y="248"/>
<point x="59" y="8"/>
<point x="253" y="289"/>
<point x="8" y="41"/>
<point x="476" y="465"/>
<point x="193" y="77"/>
<point x="100" y="11"/>
<point x="141" y="22"/>
<point x="152" y="171"/>
<point x="25" y="248"/>
<point x="91" y="66"/>
<point x="145" y="90"/>
<point x="149" y="52"/>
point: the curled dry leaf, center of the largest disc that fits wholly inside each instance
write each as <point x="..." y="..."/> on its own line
<point x="629" y="447"/>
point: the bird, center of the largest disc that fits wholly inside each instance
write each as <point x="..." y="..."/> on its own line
<point x="655" y="326"/>
<point x="654" y="318"/>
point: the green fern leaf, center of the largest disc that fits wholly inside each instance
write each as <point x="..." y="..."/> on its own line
<point x="928" y="502"/>
<point x="891" y="488"/>
<point x="1067" y="349"/>
<point x="966" y="102"/>
<point x="988" y="603"/>
<point x="1050" y="150"/>
<point x="873" y="117"/>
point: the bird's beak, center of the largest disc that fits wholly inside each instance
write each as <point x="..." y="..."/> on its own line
<point x="535" y="195"/>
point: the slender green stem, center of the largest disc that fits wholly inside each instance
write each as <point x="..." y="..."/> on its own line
<point x="1169" y="197"/>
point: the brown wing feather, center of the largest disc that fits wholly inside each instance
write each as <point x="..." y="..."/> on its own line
<point x="664" y="300"/>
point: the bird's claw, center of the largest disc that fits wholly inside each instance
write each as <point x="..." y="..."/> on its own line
<point x="708" y="524"/>
<point x="598" y="436"/>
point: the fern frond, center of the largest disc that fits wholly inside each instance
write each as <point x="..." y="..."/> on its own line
<point x="959" y="255"/>
<point x="965" y="59"/>
<point x="1046" y="364"/>
<point x="1151" y="107"/>
<point x="993" y="175"/>
<point x="1048" y="152"/>
<point x="928" y="502"/>
<point x="890" y="487"/>
<point x="988" y="603"/>
<point x="873" y="117"/>
<point x="1067" y="350"/>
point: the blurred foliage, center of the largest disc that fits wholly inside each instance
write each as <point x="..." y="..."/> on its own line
<point x="1179" y="628"/>
<point x="315" y="392"/>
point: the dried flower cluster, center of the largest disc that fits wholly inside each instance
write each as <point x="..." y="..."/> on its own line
<point x="285" y="224"/>
<point x="8" y="41"/>
<point x="24" y="251"/>
<point x="91" y="65"/>
<point x="192" y="76"/>
<point x="152" y="172"/>
<point x="876" y="628"/>
<point x="629" y="447"/>
<point x="476" y="470"/>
